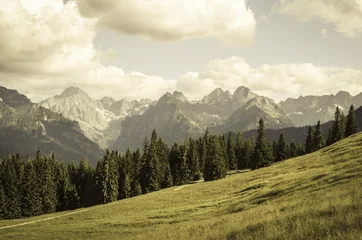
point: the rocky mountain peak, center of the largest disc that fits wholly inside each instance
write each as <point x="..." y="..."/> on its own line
<point x="13" y="98"/>
<point x="179" y="96"/>
<point x="218" y="95"/>
<point x="71" y="91"/>
<point x="343" y="95"/>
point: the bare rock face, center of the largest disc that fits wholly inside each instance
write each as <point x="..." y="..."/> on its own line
<point x="99" y="120"/>
<point x="307" y="110"/>
<point x="25" y="127"/>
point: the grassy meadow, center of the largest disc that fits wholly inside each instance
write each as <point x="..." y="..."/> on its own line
<point x="317" y="196"/>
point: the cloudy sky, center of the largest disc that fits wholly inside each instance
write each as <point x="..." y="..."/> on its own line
<point x="136" y="48"/>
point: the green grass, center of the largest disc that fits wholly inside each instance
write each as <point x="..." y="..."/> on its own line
<point x="317" y="196"/>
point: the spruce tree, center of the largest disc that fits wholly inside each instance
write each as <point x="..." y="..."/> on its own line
<point x="49" y="191"/>
<point x="318" y="138"/>
<point x="192" y="161"/>
<point x="232" y="161"/>
<point x="215" y="162"/>
<point x="12" y="193"/>
<point x="293" y="150"/>
<point x="167" y="179"/>
<point x="107" y="178"/>
<point x="281" y="153"/>
<point x="337" y="128"/>
<point x="124" y="180"/>
<point x="351" y="124"/>
<point x="247" y="154"/>
<point x="309" y="146"/>
<point x="136" y="171"/>
<point x="30" y="203"/>
<point x="263" y="155"/>
<point x="239" y="151"/>
<point x="3" y="199"/>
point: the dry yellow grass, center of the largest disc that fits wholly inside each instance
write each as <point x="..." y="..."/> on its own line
<point x="317" y="196"/>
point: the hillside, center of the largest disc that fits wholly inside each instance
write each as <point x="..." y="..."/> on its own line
<point x="25" y="127"/>
<point x="317" y="196"/>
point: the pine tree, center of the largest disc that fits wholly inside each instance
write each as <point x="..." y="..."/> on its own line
<point x="329" y="138"/>
<point x="239" y="151"/>
<point x="318" y="138"/>
<point x="30" y="202"/>
<point x="232" y="161"/>
<point x="49" y="193"/>
<point x="351" y="124"/>
<point x="135" y="169"/>
<point x="281" y="153"/>
<point x="107" y="178"/>
<point x="309" y="147"/>
<point x="124" y="180"/>
<point x="3" y="212"/>
<point x="247" y="154"/>
<point x="215" y="162"/>
<point x="337" y="128"/>
<point x="263" y="155"/>
<point x="167" y="179"/>
<point x="12" y="193"/>
<point x="192" y="161"/>
<point x="293" y="150"/>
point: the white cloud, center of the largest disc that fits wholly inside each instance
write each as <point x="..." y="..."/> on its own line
<point x="324" y="32"/>
<point x="275" y="81"/>
<point x="47" y="45"/>
<point x="45" y="36"/>
<point x="229" y="21"/>
<point x="345" y="15"/>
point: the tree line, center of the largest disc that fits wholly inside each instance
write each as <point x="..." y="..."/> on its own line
<point x="40" y="185"/>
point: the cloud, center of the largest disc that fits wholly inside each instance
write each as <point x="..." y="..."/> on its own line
<point x="229" y="21"/>
<point x="47" y="45"/>
<point x="46" y="36"/>
<point x="345" y="15"/>
<point x="324" y="32"/>
<point x="275" y="81"/>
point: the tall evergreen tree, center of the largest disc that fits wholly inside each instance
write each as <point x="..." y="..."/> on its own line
<point x="215" y="162"/>
<point x="293" y="150"/>
<point x="247" y="154"/>
<point x="318" y="138"/>
<point x="192" y="160"/>
<point x="281" y="153"/>
<point x="232" y="161"/>
<point x="351" y="124"/>
<point x="3" y="199"/>
<point x="107" y="178"/>
<point x="337" y="128"/>
<point x="136" y="171"/>
<point x="239" y="151"/>
<point x="263" y="155"/>
<point x="30" y="201"/>
<point x="12" y="193"/>
<point x="309" y="146"/>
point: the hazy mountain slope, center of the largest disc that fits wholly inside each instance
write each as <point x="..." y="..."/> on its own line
<point x="317" y="196"/>
<point x="173" y="117"/>
<point x="99" y="120"/>
<point x="25" y="127"/>
<point x="248" y="116"/>
<point x="299" y="134"/>
<point x="309" y="109"/>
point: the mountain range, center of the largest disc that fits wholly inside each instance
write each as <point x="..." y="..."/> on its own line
<point x="26" y="127"/>
<point x="122" y="124"/>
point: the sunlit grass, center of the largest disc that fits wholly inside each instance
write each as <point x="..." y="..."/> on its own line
<point x="317" y="196"/>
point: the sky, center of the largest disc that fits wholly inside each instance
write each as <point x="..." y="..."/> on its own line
<point x="135" y="49"/>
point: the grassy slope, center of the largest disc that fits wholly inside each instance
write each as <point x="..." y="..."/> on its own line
<point x="318" y="196"/>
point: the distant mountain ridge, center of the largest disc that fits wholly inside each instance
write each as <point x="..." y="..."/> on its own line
<point x="99" y="119"/>
<point x="307" y="110"/>
<point x="25" y="127"/>
<point x="119" y="124"/>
